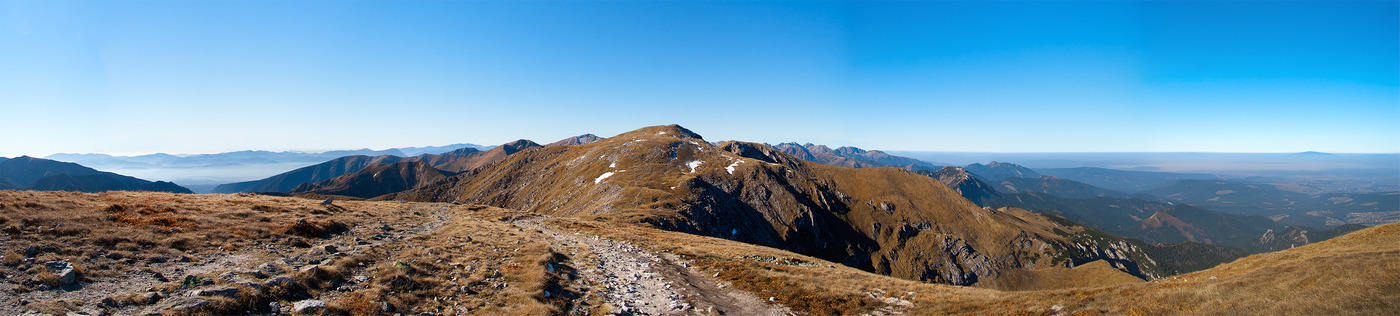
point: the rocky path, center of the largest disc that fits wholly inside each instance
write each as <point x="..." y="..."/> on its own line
<point x="638" y="281"/>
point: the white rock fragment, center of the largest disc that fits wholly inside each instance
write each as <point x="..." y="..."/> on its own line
<point x="305" y="305"/>
<point x="604" y="176"/>
<point x="693" y="165"/>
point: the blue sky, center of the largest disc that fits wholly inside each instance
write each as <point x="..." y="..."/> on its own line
<point x="1101" y="76"/>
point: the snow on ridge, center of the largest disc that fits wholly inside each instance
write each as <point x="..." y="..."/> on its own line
<point x="604" y="176"/>
<point x="692" y="164"/>
<point x="731" y="167"/>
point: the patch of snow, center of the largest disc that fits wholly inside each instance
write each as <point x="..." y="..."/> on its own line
<point x="613" y="165"/>
<point x="604" y="176"/>
<point x="661" y="133"/>
<point x="693" y="164"/>
<point x="731" y="167"/>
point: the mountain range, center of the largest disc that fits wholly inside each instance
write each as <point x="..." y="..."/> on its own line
<point x="886" y="220"/>
<point x="851" y="157"/>
<point x="28" y="173"/>
<point x="998" y="225"/>
<point x="454" y="161"/>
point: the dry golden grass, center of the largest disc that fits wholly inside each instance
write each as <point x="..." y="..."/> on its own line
<point x="1093" y="274"/>
<point x="467" y="266"/>
<point x="479" y="263"/>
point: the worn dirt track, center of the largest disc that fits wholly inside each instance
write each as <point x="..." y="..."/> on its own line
<point x="637" y="281"/>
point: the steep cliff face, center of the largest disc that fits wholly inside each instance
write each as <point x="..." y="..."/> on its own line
<point x="885" y="220"/>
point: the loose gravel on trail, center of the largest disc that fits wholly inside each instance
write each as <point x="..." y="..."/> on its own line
<point x="638" y="281"/>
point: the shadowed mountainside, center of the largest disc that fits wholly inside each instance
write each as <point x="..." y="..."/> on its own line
<point x="377" y="180"/>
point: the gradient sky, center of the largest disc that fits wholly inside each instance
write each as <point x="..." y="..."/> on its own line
<point x="1103" y="76"/>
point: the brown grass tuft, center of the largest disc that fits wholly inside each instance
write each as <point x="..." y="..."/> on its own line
<point x="315" y="228"/>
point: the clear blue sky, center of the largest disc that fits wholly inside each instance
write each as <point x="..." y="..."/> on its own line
<point x="200" y="76"/>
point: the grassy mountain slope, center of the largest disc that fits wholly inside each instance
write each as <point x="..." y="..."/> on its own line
<point x="886" y="220"/>
<point x="478" y="160"/>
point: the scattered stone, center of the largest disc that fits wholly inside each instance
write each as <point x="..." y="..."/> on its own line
<point x="274" y="306"/>
<point x="331" y="249"/>
<point x="224" y="291"/>
<point x="88" y="311"/>
<point x="269" y="268"/>
<point x="304" y="305"/>
<point x="192" y="281"/>
<point x="183" y="304"/>
<point x="30" y="251"/>
<point x="386" y="307"/>
<point x="281" y="280"/>
<point x="151" y="298"/>
<point x="64" y="270"/>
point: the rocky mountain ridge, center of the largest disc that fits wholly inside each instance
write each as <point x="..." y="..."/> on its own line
<point x="886" y="220"/>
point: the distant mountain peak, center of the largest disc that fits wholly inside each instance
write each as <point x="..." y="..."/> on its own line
<point x="996" y="171"/>
<point x="672" y="130"/>
<point x="577" y="140"/>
